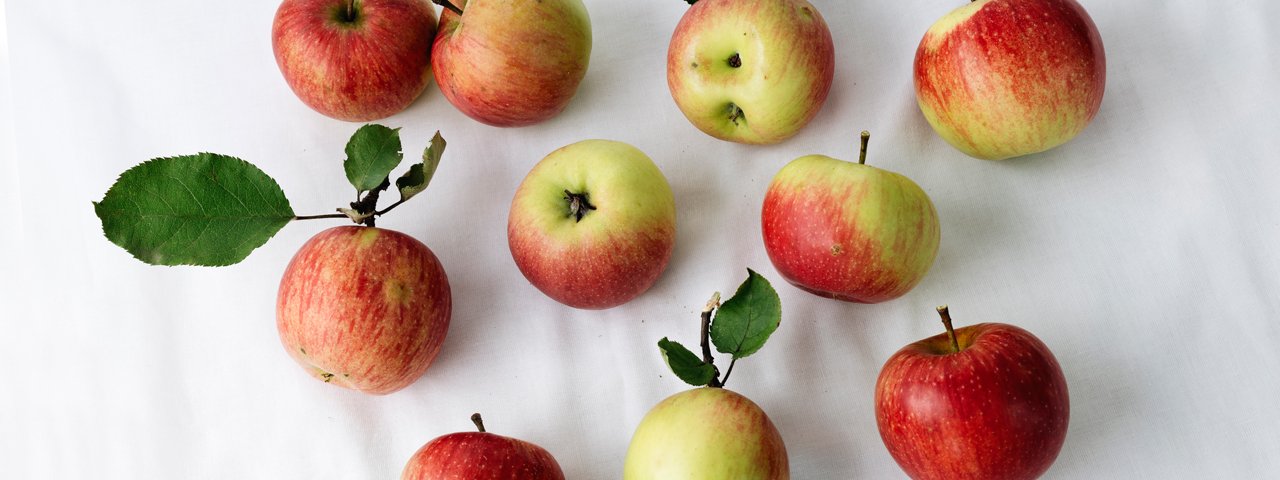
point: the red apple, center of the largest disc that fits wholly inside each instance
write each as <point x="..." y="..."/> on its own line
<point x="481" y="456"/>
<point x="987" y="401"/>
<point x="750" y="71"/>
<point x="355" y="60"/>
<point x="848" y="230"/>
<point x="364" y="308"/>
<point x="510" y="64"/>
<point x="593" y="224"/>
<point x="1004" y="78"/>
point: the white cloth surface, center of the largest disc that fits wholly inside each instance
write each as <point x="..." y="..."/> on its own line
<point x="1144" y="253"/>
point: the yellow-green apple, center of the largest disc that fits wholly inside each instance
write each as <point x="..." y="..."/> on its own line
<point x="511" y="64"/>
<point x="707" y="433"/>
<point x="593" y="224"/>
<point x="355" y="60"/>
<point x="364" y="308"/>
<point x="481" y="456"/>
<point x="980" y="402"/>
<point x="750" y="71"/>
<point x="848" y="230"/>
<point x="1003" y="78"/>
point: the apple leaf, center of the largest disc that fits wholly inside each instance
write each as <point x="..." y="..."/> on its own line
<point x="204" y="209"/>
<point x="372" y="152"/>
<point x="419" y="175"/>
<point x="685" y="364"/>
<point x="744" y="322"/>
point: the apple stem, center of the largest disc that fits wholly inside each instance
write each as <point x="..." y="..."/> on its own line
<point x="712" y="305"/>
<point x="951" y="333"/>
<point x="448" y="5"/>
<point x="862" y="151"/>
<point x="475" y="418"/>
<point x="579" y="204"/>
<point x="351" y="10"/>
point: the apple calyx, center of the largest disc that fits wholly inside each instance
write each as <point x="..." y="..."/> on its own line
<point x="862" y="150"/>
<point x="475" y="418"/>
<point x="579" y="204"/>
<point x="735" y="61"/>
<point x="448" y="6"/>
<point x="735" y="113"/>
<point x="951" y="333"/>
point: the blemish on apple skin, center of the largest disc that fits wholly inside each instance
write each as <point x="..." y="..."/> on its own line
<point x="326" y="376"/>
<point x="836" y="250"/>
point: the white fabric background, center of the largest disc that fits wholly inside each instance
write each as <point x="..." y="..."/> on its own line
<point x="1144" y="253"/>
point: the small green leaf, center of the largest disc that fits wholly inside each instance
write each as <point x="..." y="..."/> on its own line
<point x="204" y="209"/>
<point x="372" y="152"/>
<point x="685" y="364"/>
<point x="745" y="321"/>
<point x="419" y="175"/>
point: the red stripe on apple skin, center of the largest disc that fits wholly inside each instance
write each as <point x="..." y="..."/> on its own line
<point x="364" y="308"/>
<point x="591" y="273"/>
<point x="361" y="72"/>
<point x="1047" y="56"/>
<point x="481" y="456"/>
<point x="512" y="64"/>
<point x="999" y="409"/>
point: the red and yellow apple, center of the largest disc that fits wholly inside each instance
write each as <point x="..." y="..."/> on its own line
<point x="707" y="433"/>
<point x="593" y="224"/>
<point x="1004" y="78"/>
<point x="355" y="60"/>
<point x="750" y="72"/>
<point x="511" y="64"/>
<point x="364" y="308"/>
<point x="481" y="456"/>
<point x="847" y="230"/>
<point x="980" y="402"/>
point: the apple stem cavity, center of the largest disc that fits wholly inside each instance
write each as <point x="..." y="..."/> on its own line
<point x="712" y="305"/>
<point x="475" y="418"/>
<point x="579" y="204"/>
<point x="951" y="333"/>
<point x="448" y="6"/>
<point x="862" y="151"/>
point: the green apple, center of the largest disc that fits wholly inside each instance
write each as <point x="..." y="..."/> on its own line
<point x="593" y="224"/>
<point x="706" y="433"/>
<point x="750" y="71"/>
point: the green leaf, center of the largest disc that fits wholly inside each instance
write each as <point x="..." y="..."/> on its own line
<point x="685" y="364"/>
<point x="204" y="209"/>
<point x="419" y="175"/>
<point x="372" y="152"/>
<point x="744" y="322"/>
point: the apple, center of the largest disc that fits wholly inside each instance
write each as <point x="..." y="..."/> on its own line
<point x="980" y="402"/>
<point x="707" y="433"/>
<point x="355" y="60"/>
<point x="364" y="308"/>
<point x="481" y="456"/>
<point x="848" y="230"/>
<point x="593" y="224"/>
<point x="750" y="71"/>
<point x="1004" y="78"/>
<point x="511" y="64"/>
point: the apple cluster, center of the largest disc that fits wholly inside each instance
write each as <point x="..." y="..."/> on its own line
<point x="593" y="224"/>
